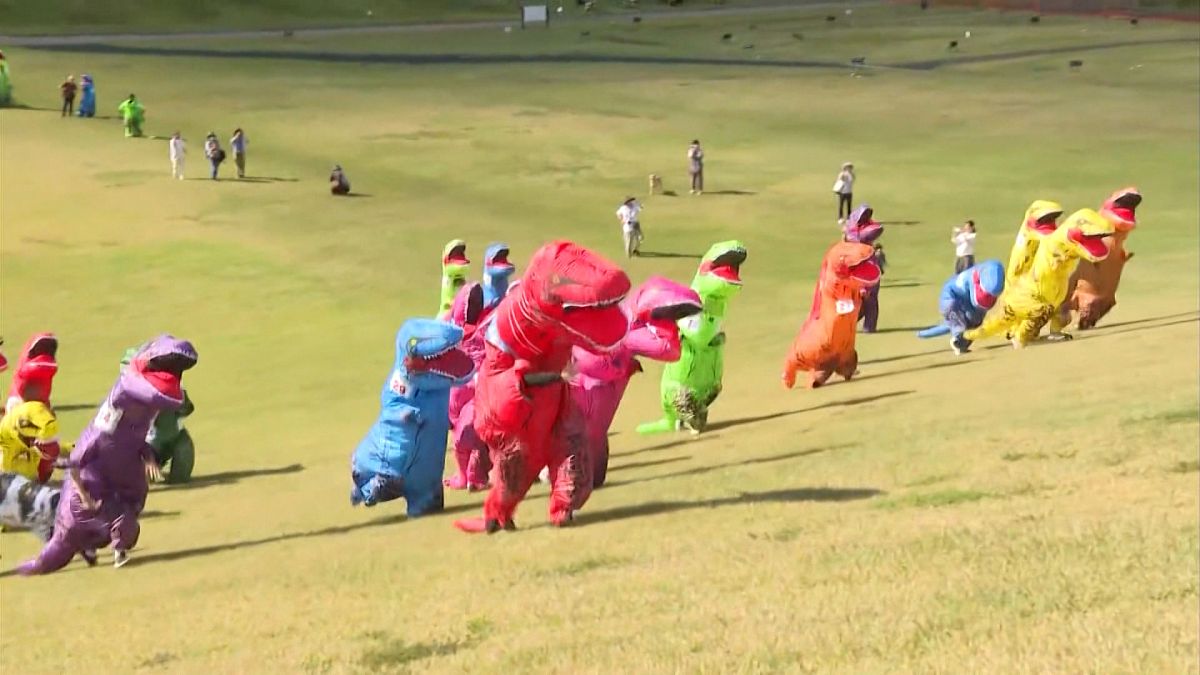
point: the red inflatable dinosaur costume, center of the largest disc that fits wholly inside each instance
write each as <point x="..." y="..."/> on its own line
<point x="569" y="296"/>
<point x="825" y="344"/>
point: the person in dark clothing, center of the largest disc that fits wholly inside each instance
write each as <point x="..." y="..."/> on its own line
<point x="68" y="89"/>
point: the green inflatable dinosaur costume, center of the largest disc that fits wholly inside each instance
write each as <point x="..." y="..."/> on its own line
<point x="691" y="384"/>
<point x="172" y="443"/>
<point x="455" y="267"/>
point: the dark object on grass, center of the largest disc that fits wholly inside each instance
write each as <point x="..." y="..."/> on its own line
<point x="1133" y="21"/>
<point x="1075" y="64"/>
<point x="288" y="33"/>
<point x="924" y="4"/>
<point x="952" y="46"/>
<point x="1034" y="19"/>
<point x="830" y="18"/>
<point x="798" y="36"/>
<point x="858" y="61"/>
<point x="727" y="36"/>
<point x="752" y="26"/>
<point x="585" y="33"/>
<point x="748" y="46"/>
<point x="637" y="19"/>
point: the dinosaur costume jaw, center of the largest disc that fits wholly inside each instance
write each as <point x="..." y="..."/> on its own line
<point x="1087" y="231"/>
<point x="162" y="362"/>
<point x="655" y="311"/>
<point x="861" y="226"/>
<point x="455" y="254"/>
<point x="1041" y="218"/>
<point x="495" y="261"/>
<point x="850" y="264"/>
<point x="430" y="355"/>
<point x="42" y="344"/>
<point x="719" y="276"/>
<point x="1121" y="208"/>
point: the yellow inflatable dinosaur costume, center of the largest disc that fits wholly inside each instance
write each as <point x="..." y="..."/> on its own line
<point x="22" y="430"/>
<point x="1033" y="299"/>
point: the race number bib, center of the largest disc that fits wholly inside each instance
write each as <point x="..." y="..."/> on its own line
<point x="108" y="417"/>
<point x="844" y="306"/>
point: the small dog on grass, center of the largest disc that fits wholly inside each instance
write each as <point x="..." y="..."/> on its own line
<point x="656" y="186"/>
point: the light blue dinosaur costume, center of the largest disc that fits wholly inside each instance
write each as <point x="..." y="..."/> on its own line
<point x="966" y="298"/>
<point x="404" y="453"/>
<point x="87" y="103"/>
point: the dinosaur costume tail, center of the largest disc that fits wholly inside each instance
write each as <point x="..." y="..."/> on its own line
<point x="934" y="331"/>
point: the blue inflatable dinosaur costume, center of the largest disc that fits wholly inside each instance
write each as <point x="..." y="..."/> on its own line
<point x="87" y="104"/>
<point x="965" y="300"/>
<point x="404" y="454"/>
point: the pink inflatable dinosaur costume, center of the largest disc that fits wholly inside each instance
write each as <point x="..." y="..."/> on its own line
<point x="654" y="310"/>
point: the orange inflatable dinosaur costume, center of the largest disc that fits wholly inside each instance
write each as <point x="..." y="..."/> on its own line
<point x="825" y="344"/>
<point x="1094" y="286"/>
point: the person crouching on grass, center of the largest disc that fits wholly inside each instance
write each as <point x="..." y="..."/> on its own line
<point x="963" y="239"/>
<point x="631" y="227"/>
<point x="338" y="183"/>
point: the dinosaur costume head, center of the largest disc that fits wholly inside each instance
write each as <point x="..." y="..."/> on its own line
<point x="655" y="309"/>
<point x="861" y="226"/>
<point x="496" y="272"/>
<point x="162" y="362"/>
<point x="1084" y="233"/>
<point x="36" y="368"/>
<point x="987" y="283"/>
<point x="1041" y="218"/>
<point x="428" y="356"/>
<point x="1121" y="208"/>
<point x="455" y="263"/>
<point x="35" y="423"/>
<point x="567" y="286"/>
<point x="719" y="276"/>
<point x="849" y="266"/>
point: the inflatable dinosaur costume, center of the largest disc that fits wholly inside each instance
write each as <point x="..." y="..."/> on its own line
<point x="1093" y="289"/>
<point x="1033" y="299"/>
<point x="134" y="114"/>
<point x="455" y="267"/>
<point x="691" y="384"/>
<point x="25" y="432"/>
<point x="6" y="87"/>
<point x="965" y="300"/>
<point x="171" y="442"/>
<point x="472" y="307"/>
<point x="106" y="485"/>
<point x="404" y="453"/>
<point x="569" y="296"/>
<point x="655" y="310"/>
<point x="862" y="228"/>
<point x="87" y="101"/>
<point x="34" y="381"/>
<point x="825" y="343"/>
<point x="1041" y="220"/>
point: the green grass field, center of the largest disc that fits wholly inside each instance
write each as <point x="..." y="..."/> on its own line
<point x="1005" y="512"/>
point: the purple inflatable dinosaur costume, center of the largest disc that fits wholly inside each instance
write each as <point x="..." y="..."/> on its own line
<point x="106" y="485"/>
<point x="654" y="311"/>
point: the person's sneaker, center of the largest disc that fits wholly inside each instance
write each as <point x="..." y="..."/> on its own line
<point x="120" y="557"/>
<point x="89" y="556"/>
<point x="960" y="345"/>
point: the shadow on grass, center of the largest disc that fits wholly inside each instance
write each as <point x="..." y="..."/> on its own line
<point x="899" y="222"/>
<point x="900" y="329"/>
<point x="355" y="195"/>
<point x="1192" y="314"/>
<point x="664" y="254"/>
<point x="904" y="357"/>
<point x="725" y="424"/>
<point x="158" y="514"/>
<point x="227" y="477"/>
<point x="652" y="462"/>
<point x="267" y="179"/>
<point x="676" y="439"/>
<point x="778" y="496"/>
<point x="700" y="470"/>
<point x="903" y="284"/>
<point x="390" y="653"/>
<point x="740" y="193"/>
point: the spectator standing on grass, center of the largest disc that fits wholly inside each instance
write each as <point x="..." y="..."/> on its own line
<point x="177" y="151"/>
<point x="631" y="226"/>
<point x="237" y="145"/>
<point x="843" y="187"/>
<point x="214" y="153"/>
<point x="963" y="239"/>
<point x="695" y="156"/>
<point x="68" y="89"/>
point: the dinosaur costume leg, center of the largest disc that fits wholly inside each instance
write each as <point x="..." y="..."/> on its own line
<point x="423" y="488"/>
<point x="514" y="468"/>
<point x="870" y="309"/>
<point x="570" y="466"/>
<point x="181" y="454"/>
<point x="671" y="392"/>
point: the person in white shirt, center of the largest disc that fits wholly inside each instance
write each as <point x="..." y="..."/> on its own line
<point x="963" y="239"/>
<point x="695" y="155"/>
<point x="843" y="187"/>
<point x="177" y="154"/>
<point x="631" y="227"/>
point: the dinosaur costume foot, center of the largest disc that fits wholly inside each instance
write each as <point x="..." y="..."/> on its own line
<point x="658" y="427"/>
<point x="455" y="482"/>
<point x="1059" y="337"/>
<point x="960" y="345"/>
<point x="481" y="525"/>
